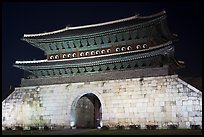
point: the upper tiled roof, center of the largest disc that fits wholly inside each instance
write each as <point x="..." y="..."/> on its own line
<point x="95" y="28"/>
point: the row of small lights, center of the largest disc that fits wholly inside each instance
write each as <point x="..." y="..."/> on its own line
<point x="98" y="52"/>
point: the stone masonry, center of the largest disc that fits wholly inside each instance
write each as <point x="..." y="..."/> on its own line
<point x="161" y="100"/>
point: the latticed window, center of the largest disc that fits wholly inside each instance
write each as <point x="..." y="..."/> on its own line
<point x="68" y="55"/>
<point x="74" y="55"/>
<point x="138" y="47"/>
<point x="51" y="57"/>
<point x="92" y="53"/>
<point x="108" y="50"/>
<point x="103" y="51"/>
<point x="64" y="56"/>
<point x="123" y="48"/>
<point x="87" y="53"/>
<point x="97" y="52"/>
<point x="117" y="49"/>
<point x="144" y="46"/>
<point x="129" y="48"/>
<point x="82" y="54"/>
<point x="56" y="56"/>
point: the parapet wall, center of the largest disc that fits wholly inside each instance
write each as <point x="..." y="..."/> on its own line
<point x="161" y="100"/>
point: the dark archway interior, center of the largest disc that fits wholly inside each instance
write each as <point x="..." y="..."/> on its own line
<point x="88" y="111"/>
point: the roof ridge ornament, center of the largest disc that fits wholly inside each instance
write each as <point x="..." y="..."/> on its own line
<point x="137" y="14"/>
<point x="153" y="15"/>
<point x="67" y="27"/>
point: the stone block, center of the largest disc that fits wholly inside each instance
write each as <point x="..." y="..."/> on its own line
<point x="197" y="119"/>
<point x="150" y="109"/>
<point x="190" y="108"/>
<point x="156" y="103"/>
<point x="178" y="102"/>
<point x="161" y="103"/>
<point x="121" y="99"/>
<point x="190" y="102"/>
<point x="185" y="102"/>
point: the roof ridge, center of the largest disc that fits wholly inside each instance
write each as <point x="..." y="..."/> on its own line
<point x="94" y="25"/>
<point x="80" y="27"/>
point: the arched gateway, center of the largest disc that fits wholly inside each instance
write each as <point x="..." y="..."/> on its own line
<point x="86" y="111"/>
<point x="120" y="72"/>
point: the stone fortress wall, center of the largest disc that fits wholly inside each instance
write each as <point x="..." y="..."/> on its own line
<point x="161" y="100"/>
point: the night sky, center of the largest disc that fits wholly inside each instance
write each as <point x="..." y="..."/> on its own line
<point x="184" y="19"/>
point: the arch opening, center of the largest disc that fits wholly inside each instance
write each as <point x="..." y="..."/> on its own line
<point x="88" y="112"/>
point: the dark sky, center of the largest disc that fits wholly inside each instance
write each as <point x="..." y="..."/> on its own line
<point x="184" y="19"/>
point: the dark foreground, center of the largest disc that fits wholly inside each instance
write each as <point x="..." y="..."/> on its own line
<point x="106" y="132"/>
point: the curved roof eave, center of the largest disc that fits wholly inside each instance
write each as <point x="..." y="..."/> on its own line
<point x="94" y="25"/>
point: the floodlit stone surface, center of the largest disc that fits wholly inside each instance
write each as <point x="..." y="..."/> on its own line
<point x="161" y="101"/>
